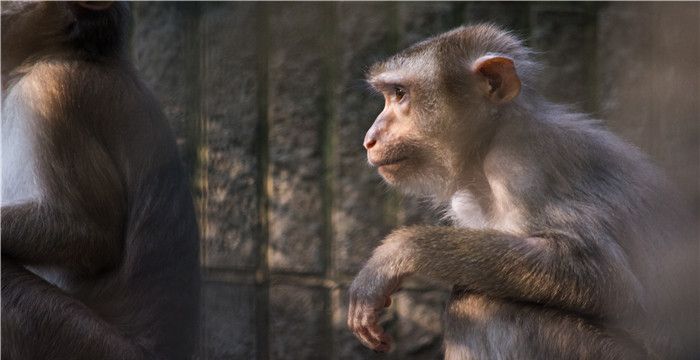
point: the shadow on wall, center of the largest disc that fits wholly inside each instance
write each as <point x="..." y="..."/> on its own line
<point x="270" y="111"/>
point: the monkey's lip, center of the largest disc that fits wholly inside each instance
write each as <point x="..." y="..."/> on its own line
<point x="387" y="162"/>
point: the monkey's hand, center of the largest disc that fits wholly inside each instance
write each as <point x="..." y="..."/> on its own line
<point x="369" y="294"/>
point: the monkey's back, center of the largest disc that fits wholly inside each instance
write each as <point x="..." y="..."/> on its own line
<point x="161" y="230"/>
<point x="592" y="183"/>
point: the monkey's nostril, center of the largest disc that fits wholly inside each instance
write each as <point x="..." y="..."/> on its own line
<point x="370" y="143"/>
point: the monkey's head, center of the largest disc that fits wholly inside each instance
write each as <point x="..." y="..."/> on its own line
<point x="31" y="29"/>
<point x="442" y="100"/>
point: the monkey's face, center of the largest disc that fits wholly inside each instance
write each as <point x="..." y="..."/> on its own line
<point x="436" y="115"/>
<point x="401" y="143"/>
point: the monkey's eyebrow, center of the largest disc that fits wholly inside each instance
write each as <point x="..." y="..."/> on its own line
<point x="381" y="85"/>
<point x="385" y="81"/>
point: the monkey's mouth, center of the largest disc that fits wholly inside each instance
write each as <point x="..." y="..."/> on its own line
<point x="388" y="162"/>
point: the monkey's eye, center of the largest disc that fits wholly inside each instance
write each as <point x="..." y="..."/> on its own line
<point x="399" y="93"/>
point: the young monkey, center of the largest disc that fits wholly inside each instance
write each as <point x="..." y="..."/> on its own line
<point x="567" y="242"/>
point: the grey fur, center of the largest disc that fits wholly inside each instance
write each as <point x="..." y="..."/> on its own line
<point x="586" y="251"/>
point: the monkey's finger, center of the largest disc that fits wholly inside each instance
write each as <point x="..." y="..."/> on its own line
<point x="367" y="324"/>
<point x="354" y="315"/>
<point x="351" y="315"/>
<point x="377" y="332"/>
<point x="355" y="323"/>
<point x="385" y="345"/>
<point x="370" y="323"/>
<point x="366" y="338"/>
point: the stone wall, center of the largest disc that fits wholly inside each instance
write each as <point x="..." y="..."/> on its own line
<point x="269" y="108"/>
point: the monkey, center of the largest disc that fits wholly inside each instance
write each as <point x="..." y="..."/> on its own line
<point x="565" y="241"/>
<point x="99" y="235"/>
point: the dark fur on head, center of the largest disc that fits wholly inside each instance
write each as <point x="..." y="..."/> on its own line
<point x="101" y="33"/>
<point x="32" y="30"/>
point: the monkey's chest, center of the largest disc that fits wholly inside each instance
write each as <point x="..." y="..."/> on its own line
<point x="466" y="212"/>
<point x="20" y="182"/>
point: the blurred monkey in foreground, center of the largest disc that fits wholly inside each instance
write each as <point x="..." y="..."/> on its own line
<point x="99" y="238"/>
<point x="567" y="242"/>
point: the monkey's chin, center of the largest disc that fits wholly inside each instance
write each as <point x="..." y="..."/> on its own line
<point x="390" y="173"/>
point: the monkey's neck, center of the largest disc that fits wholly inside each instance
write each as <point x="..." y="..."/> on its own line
<point x="474" y="181"/>
<point x="470" y="175"/>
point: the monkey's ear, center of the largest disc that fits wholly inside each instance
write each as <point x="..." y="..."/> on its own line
<point x="500" y="81"/>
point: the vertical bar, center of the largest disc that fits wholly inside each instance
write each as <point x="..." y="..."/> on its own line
<point x="296" y="113"/>
<point x="231" y="110"/>
<point x="262" y="313"/>
<point x="299" y="148"/>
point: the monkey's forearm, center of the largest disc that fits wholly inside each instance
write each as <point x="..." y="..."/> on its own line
<point x="557" y="272"/>
<point x="37" y="234"/>
<point x="33" y="310"/>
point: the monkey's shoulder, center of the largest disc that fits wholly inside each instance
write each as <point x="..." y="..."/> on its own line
<point x="564" y="150"/>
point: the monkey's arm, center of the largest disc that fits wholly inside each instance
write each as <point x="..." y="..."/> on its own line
<point x="557" y="270"/>
<point x="39" y="234"/>
<point x="588" y="276"/>
<point x="34" y="311"/>
<point x="78" y="221"/>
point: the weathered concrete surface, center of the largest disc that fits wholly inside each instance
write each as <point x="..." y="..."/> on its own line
<point x="296" y="115"/>
<point x="420" y="323"/>
<point x="230" y="87"/>
<point x="298" y="325"/>
<point x="228" y="321"/>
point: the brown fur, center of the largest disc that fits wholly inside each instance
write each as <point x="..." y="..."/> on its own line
<point x="580" y="248"/>
<point x="104" y="263"/>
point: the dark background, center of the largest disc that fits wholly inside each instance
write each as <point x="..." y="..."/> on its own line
<point x="269" y="107"/>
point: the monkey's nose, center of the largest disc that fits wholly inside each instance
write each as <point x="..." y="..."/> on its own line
<point x="369" y="143"/>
